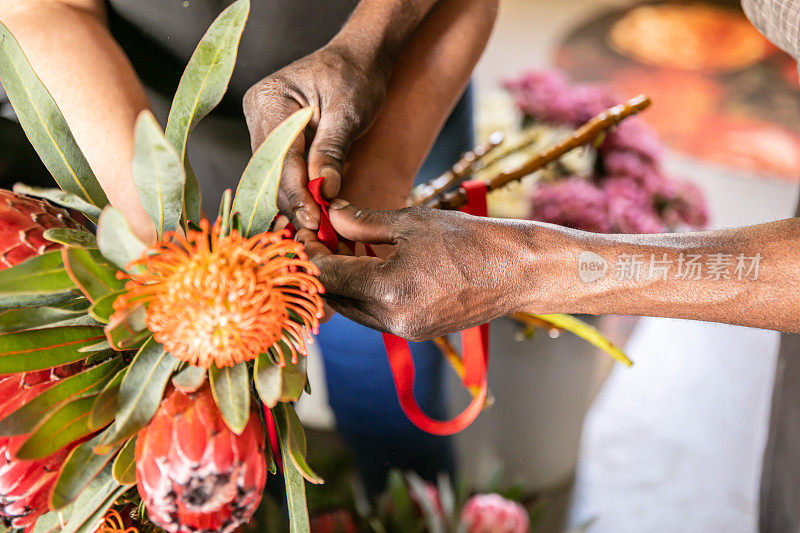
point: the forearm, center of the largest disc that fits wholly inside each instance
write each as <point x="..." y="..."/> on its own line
<point x="427" y="81"/>
<point x="93" y="83"/>
<point x="378" y="30"/>
<point x="746" y="276"/>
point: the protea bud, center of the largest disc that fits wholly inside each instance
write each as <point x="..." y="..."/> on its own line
<point x="194" y="473"/>
<point x="491" y="513"/>
<point x="23" y="222"/>
<point x="24" y="485"/>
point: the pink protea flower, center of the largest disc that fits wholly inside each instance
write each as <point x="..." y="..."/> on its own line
<point x="195" y="474"/>
<point x="687" y="206"/>
<point x="574" y="202"/>
<point x="491" y="513"/>
<point x="635" y="136"/>
<point x="25" y="485"/>
<point x="628" y="164"/>
<point x="547" y="96"/>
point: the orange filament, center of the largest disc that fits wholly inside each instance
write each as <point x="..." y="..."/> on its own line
<point x="112" y="523"/>
<point x="220" y="300"/>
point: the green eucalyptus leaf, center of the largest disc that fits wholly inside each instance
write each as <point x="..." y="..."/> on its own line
<point x="295" y="437"/>
<point x="92" y="273"/>
<point x="279" y="384"/>
<point x="44" y="124"/>
<point x="26" y="318"/>
<point x="81" y="466"/>
<point x="103" y="307"/>
<point x="51" y="521"/>
<point x="67" y="424"/>
<point x="403" y="515"/>
<point x="203" y="85"/>
<point x="141" y="391"/>
<point x="190" y="379"/>
<point x="293" y="479"/>
<point x="105" y="404"/>
<point x="231" y="389"/>
<point x="35" y="411"/>
<point x="158" y="175"/>
<point x="224" y="214"/>
<point x="101" y="346"/>
<point x="45" y="348"/>
<point x="71" y="237"/>
<point x="60" y="197"/>
<point x="116" y="239"/>
<point x="256" y="195"/>
<point x="94" y="501"/>
<point x="40" y="280"/>
<point x="128" y="331"/>
<point x="124" y="468"/>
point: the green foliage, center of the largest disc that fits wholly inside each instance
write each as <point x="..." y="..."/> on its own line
<point x="103" y="307"/>
<point x="93" y="274"/>
<point x="71" y="237"/>
<point x="45" y="348"/>
<point x="292" y="477"/>
<point x="67" y="424"/>
<point x="124" y="468"/>
<point x="189" y="379"/>
<point x="140" y="392"/>
<point x="40" y="280"/>
<point x="116" y="239"/>
<point x="294" y="439"/>
<point x="128" y="330"/>
<point x="79" y="469"/>
<point x="158" y="174"/>
<point x="25" y="318"/>
<point x="256" y="195"/>
<point x="44" y="124"/>
<point x="279" y="384"/>
<point x="94" y="501"/>
<point x="105" y="403"/>
<point x="231" y="389"/>
<point x="202" y="87"/>
<point x="87" y="383"/>
<point x="62" y="198"/>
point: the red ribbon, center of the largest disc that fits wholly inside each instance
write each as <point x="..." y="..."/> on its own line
<point x="474" y="341"/>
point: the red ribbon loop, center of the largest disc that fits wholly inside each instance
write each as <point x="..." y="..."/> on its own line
<point x="474" y="341"/>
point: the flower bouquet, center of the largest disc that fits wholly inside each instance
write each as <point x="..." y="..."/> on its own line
<point x="133" y="374"/>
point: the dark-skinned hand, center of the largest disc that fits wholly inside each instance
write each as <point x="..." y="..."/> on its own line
<point x="447" y="270"/>
<point x="346" y="93"/>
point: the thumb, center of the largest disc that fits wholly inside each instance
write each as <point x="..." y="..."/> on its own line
<point x="365" y="225"/>
<point x="336" y="131"/>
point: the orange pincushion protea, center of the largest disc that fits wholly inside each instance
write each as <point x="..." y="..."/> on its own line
<point x="224" y="299"/>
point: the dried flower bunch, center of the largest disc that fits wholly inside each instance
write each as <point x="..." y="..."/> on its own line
<point x="132" y="375"/>
<point x="628" y="190"/>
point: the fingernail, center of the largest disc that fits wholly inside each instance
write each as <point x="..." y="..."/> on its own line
<point x="339" y="204"/>
<point x="329" y="172"/>
<point x="305" y="219"/>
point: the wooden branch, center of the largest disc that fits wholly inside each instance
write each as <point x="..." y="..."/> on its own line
<point x="460" y="171"/>
<point x="583" y="135"/>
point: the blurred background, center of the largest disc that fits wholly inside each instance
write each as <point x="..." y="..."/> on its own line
<point x="673" y="444"/>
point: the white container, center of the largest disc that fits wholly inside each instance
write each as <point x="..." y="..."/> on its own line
<point x="543" y="388"/>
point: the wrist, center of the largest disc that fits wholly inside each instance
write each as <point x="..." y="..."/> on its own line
<point x="546" y="260"/>
<point x="377" y="31"/>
